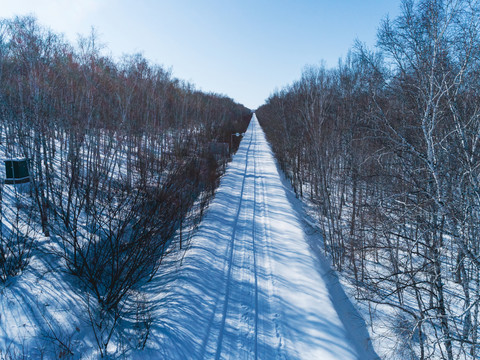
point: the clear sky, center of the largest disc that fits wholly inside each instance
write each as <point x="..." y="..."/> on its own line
<point x="244" y="49"/>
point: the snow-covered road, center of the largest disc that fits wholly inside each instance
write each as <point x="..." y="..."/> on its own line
<point x="249" y="287"/>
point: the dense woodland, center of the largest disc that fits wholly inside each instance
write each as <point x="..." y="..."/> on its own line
<point x="120" y="155"/>
<point x="386" y="148"/>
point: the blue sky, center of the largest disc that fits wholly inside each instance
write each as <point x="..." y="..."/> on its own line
<point x="244" y="49"/>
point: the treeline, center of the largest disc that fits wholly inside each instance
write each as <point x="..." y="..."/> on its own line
<point x="119" y="152"/>
<point x="386" y="146"/>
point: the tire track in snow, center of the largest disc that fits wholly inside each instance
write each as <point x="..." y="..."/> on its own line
<point x="230" y="259"/>
<point x="254" y="245"/>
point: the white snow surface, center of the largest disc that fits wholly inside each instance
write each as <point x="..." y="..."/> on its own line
<point x="252" y="286"/>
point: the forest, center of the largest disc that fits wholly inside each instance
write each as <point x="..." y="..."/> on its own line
<point x="121" y="155"/>
<point x="385" y="149"/>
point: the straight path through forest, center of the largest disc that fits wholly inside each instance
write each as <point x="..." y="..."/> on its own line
<point x="249" y="286"/>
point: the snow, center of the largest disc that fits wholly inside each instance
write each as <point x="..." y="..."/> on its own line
<point x="252" y="285"/>
<point x="39" y="311"/>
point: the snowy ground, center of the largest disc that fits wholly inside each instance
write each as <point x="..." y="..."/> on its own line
<point x="254" y="284"/>
<point x="251" y="286"/>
